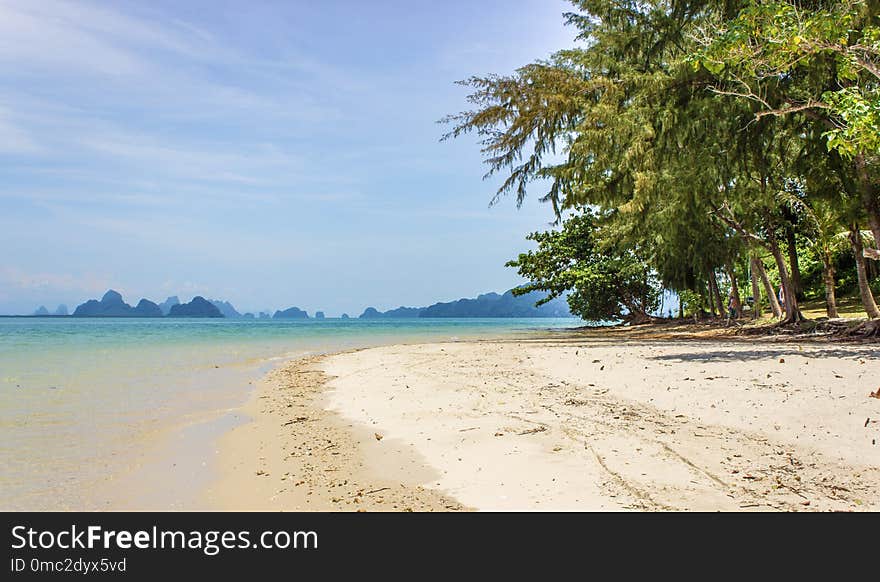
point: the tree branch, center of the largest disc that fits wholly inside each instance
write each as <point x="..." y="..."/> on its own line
<point x="730" y="220"/>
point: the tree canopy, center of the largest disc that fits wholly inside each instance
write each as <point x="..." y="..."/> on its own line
<point x="607" y="282"/>
<point x="698" y="135"/>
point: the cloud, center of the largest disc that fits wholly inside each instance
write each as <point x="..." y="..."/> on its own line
<point x="185" y="236"/>
<point x="85" y="37"/>
<point x="79" y="74"/>
<point x="60" y="282"/>
<point x="258" y="163"/>
<point x="241" y="144"/>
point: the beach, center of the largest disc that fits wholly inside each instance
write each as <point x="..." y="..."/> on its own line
<point x="125" y="413"/>
<point x="580" y="421"/>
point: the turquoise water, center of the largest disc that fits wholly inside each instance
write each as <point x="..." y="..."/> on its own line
<point x="85" y="401"/>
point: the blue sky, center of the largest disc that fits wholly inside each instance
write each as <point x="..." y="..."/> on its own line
<point x="267" y="153"/>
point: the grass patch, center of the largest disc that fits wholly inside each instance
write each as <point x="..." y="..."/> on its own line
<point x="849" y="306"/>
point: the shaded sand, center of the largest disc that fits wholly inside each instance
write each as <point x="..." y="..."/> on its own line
<point x="564" y="423"/>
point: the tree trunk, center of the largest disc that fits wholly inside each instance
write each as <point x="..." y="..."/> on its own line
<point x="706" y="299"/>
<point x="792" y="311"/>
<point x="828" y="273"/>
<point x="870" y="202"/>
<point x="855" y="238"/>
<point x="757" y="309"/>
<point x="791" y="243"/>
<point x="771" y="293"/>
<point x="637" y="314"/>
<point x="716" y="292"/>
<point x="734" y="291"/>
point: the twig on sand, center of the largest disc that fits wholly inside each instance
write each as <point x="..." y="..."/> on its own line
<point x="533" y="431"/>
<point x="790" y="488"/>
<point x="377" y="490"/>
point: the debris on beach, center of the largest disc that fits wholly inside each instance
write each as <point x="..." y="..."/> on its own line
<point x="533" y="431"/>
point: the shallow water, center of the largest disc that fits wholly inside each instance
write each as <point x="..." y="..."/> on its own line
<point x="85" y="401"/>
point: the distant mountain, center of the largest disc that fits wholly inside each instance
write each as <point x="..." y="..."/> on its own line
<point x="400" y="312"/>
<point x="112" y="305"/>
<point x="198" y="307"/>
<point x="370" y="313"/>
<point x="291" y="313"/>
<point x="486" y="305"/>
<point x="41" y="311"/>
<point x="404" y="312"/>
<point x="146" y="308"/>
<point x="225" y="308"/>
<point x="166" y="305"/>
<point x="495" y="305"/>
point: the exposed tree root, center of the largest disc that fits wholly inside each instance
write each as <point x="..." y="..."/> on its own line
<point x="868" y="329"/>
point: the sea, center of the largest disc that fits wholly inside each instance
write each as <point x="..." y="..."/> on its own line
<point x="94" y="411"/>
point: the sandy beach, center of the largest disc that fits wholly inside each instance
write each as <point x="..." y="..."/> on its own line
<point x="574" y="421"/>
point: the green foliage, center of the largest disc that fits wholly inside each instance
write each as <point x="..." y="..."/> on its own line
<point x="859" y="127"/>
<point x="691" y="302"/>
<point x="701" y="132"/>
<point x="603" y="281"/>
<point x="789" y="56"/>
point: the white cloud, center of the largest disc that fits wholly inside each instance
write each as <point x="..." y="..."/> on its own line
<point x="90" y="38"/>
<point x="83" y="74"/>
<point x="61" y="282"/>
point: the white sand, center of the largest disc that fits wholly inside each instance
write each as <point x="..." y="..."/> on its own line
<point x="587" y="425"/>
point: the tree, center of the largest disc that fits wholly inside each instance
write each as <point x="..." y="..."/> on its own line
<point x="819" y="60"/>
<point x="616" y="111"/>
<point x="603" y="282"/>
<point x="857" y="240"/>
<point x="827" y="241"/>
<point x="692" y="140"/>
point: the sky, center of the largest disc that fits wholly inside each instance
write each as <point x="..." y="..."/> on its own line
<point x="270" y="154"/>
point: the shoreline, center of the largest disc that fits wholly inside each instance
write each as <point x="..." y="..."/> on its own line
<point x="177" y="458"/>
<point x="295" y="455"/>
<point x="561" y="421"/>
<point x="139" y="421"/>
